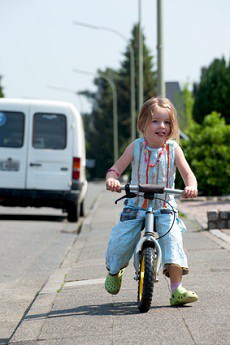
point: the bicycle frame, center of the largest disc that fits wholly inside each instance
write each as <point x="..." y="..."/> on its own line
<point x="148" y="237"/>
<point x="147" y="253"/>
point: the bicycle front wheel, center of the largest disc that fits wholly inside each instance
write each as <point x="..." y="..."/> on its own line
<point x="146" y="279"/>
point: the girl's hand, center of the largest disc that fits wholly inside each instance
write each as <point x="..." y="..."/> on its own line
<point x="113" y="185"/>
<point x="190" y="192"/>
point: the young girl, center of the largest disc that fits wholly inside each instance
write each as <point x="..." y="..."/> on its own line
<point x="154" y="159"/>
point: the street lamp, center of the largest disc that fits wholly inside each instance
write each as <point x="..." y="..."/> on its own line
<point x="160" y="77"/>
<point x="132" y="71"/>
<point x="115" y="117"/>
<point x="140" y="63"/>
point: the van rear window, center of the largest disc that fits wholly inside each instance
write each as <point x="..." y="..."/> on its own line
<point x="11" y="129"/>
<point x="49" y="131"/>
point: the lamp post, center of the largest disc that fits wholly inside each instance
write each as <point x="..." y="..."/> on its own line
<point x="132" y="71"/>
<point x="140" y="63"/>
<point x="115" y="117"/>
<point x="160" y="76"/>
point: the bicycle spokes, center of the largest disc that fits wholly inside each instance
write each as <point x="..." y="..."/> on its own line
<point x="146" y="279"/>
<point x="141" y="279"/>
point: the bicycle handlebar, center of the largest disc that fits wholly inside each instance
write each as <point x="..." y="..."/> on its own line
<point x="150" y="188"/>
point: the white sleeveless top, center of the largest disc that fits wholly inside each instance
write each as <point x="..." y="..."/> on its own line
<point x="162" y="174"/>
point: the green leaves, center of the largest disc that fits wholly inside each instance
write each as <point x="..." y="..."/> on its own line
<point x="99" y="130"/>
<point x="213" y="91"/>
<point x="208" y="154"/>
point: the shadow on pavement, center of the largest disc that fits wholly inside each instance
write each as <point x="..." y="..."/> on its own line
<point x="121" y="308"/>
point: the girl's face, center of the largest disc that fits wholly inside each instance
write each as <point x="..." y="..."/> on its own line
<point x="158" y="130"/>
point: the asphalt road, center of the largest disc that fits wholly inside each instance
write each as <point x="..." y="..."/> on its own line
<point x="34" y="242"/>
<point x="73" y="306"/>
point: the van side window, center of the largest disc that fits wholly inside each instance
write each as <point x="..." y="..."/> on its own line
<point x="11" y="129"/>
<point x="49" y="131"/>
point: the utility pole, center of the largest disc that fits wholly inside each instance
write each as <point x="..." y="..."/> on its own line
<point x="140" y="64"/>
<point x="115" y="117"/>
<point x="160" y="74"/>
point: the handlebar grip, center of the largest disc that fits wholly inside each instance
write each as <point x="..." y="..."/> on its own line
<point x="155" y="189"/>
<point x="151" y="188"/>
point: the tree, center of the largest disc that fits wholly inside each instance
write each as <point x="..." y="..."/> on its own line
<point x="208" y="153"/>
<point x="99" y="131"/>
<point x="149" y="83"/>
<point x="213" y="91"/>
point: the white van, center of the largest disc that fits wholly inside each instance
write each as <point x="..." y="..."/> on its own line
<point x="42" y="156"/>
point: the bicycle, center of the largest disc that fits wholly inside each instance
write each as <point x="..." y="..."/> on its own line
<point x="147" y="253"/>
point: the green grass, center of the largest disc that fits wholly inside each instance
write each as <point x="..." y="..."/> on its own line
<point x="181" y="214"/>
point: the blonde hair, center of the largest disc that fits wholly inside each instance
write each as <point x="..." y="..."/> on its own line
<point x="147" y="111"/>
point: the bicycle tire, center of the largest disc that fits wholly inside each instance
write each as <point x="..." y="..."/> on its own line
<point x="146" y="279"/>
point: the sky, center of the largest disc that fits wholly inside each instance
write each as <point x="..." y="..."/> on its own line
<point x="40" y="46"/>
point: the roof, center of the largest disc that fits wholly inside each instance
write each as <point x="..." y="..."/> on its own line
<point x="172" y="89"/>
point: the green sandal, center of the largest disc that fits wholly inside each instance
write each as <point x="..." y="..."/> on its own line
<point x="113" y="283"/>
<point x="182" y="296"/>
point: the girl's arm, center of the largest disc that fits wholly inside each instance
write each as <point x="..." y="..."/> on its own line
<point x="190" y="190"/>
<point x="117" y="169"/>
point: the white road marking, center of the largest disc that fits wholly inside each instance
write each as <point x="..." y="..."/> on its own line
<point x="85" y="282"/>
<point x="221" y="235"/>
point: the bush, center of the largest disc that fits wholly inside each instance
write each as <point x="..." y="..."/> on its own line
<point x="208" y="154"/>
<point x="212" y="93"/>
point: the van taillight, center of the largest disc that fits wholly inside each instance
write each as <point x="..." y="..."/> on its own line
<point x="76" y="168"/>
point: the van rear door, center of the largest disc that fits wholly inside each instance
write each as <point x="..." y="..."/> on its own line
<point x="50" y="150"/>
<point x="13" y="148"/>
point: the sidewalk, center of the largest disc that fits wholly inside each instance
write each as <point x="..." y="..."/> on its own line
<point x="74" y="308"/>
<point x="198" y="208"/>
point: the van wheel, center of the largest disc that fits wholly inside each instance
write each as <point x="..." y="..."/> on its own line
<point x="73" y="212"/>
<point x="82" y="209"/>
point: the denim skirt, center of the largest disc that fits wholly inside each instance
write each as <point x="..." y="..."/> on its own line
<point x="125" y="235"/>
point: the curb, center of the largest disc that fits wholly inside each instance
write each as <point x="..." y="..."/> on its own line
<point x="31" y="324"/>
<point x="216" y="235"/>
<point x="220" y="234"/>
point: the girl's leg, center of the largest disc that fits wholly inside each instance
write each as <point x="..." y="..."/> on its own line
<point x="123" y="239"/>
<point x="174" y="260"/>
<point x="179" y="294"/>
<point x="175" y="275"/>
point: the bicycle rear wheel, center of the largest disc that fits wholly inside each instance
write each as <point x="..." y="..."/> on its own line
<point x="146" y="279"/>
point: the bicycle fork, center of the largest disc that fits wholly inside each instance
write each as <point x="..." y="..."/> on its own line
<point x="148" y="239"/>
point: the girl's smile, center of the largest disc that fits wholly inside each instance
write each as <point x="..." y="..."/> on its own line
<point x="158" y="130"/>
